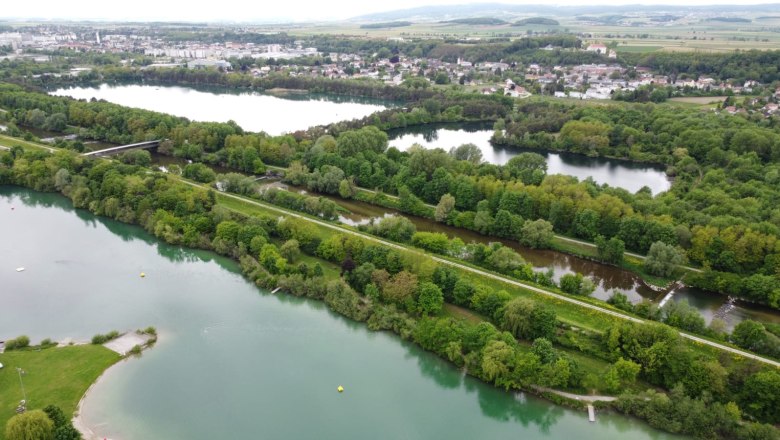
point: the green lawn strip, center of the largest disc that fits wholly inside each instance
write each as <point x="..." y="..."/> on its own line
<point x="567" y="312"/>
<point x="8" y="141"/>
<point x="457" y="312"/>
<point x="58" y="376"/>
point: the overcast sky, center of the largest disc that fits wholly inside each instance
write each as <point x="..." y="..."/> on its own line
<point x="243" y="10"/>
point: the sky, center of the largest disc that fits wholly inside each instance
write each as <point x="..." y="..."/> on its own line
<point x="265" y="10"/>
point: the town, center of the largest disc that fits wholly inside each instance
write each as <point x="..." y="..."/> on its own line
<point x="602" y="80"/>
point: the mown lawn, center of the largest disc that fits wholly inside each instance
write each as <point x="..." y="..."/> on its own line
<point x="58" y="376"/>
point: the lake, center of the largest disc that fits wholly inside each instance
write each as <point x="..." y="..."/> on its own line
<point x="252" y="111"/>
<point x="631" y="176"/>
<point x="234" y="361"/>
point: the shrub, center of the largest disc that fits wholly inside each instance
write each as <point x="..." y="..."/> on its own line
<point x="99" y="339"/>
<point x="18" y="343"/>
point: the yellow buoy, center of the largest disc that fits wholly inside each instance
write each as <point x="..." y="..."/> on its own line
<point x="143" y="274"/>
<point x="340" y="388"/>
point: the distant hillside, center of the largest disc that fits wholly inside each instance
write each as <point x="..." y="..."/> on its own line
<point x="479" y="21"/>
<point x="452" y="12"/>
<point x="665" y="18"/>
<point x="536" y="20"/>
<point x="729" y="19"/>
<point x="389" y="24"/>
<point x="605" y="19"/>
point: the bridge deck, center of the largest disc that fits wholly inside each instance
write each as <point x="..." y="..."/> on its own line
<point x="139" y="145"/>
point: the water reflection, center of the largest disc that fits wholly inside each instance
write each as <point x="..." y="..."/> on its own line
<point x="235" y="360"/>
<point x="251" y="110"/>
<point x="631" y="176"/>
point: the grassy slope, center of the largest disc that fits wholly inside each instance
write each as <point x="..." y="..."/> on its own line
<point x="58" y="376"/>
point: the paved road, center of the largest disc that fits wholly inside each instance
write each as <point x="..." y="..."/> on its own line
<point x="486" y="274"/>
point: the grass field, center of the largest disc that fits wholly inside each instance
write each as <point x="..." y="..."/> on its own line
<point x="58" y="376"/>
<point x="8" y="142"/>
<point x="639" y="49"/>
<point x="701" y="100"/>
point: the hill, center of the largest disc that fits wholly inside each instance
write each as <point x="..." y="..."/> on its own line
<point x="478" y="21"/>
<point x="389" y="24"/>
<point x="536" y="20"/>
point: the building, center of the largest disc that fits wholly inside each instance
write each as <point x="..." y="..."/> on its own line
<point x="207" y="64"/>
<point x="598" y="48"/>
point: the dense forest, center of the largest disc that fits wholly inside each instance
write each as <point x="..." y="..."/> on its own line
<point x="721" y="211"/>
<point x="757" y="65"/>
<point x="401" y="292"/>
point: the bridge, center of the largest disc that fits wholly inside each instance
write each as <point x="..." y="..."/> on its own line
<point x="122" y="148"/>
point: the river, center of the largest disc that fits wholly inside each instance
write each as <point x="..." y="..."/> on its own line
<point x="252" y="111"/>
<point x="255" y="111"/>
<point x="234" y="361"/>
<point x="607" y="278"/>
<point x="631" y="176"/>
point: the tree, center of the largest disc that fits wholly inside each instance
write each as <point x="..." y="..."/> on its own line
<point x="504" y="259"/>
<point x="537" y="234"/>
<point x="361" y="276"/>
<point x="749" y="334"/>
<point x="468" y="152"/>
<point x="530" y="168"/>
<point x="626" y="371"/>
<point x="761" y="396"/>
<point x="610" y="251"/>
<point x="400" y="289"/>
<point x="543" y="348"/>
<point x="444" y="208"/>
<point x="32" y="425"/>
<point x="199" y="172"/>
<point x="396" y="228"/>
<point x="496" y="360"/>
<point x="290" y="250"/>
<point x="526" y="319"/>
<point x="663" y="259"/>
<point x="430" y="298"/>
<point x="63" y="428"/>
<point x="346" y="189"/>
<point x="576" y="284"/>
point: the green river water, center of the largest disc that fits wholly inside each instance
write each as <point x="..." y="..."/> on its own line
<point x="234" y="361"/>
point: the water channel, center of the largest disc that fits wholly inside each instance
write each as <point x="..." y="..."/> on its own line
<point x="251" y="110"/>
<point x="256" y="111"/>
<point x="607" y="278"/>
<point x="234" y="361"/>
<point x="631" y="176"/>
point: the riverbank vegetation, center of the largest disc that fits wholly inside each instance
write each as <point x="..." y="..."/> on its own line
<point x="404" y="291"/>
<point x="720" y="212"/>
<point x="51" y="376"/>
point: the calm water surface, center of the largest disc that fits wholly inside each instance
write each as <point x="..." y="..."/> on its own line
<point x="618" y="173"/>
<point x="234" y="361"/>
<point x="252" y="111"/>
<point x="607" y="278"/>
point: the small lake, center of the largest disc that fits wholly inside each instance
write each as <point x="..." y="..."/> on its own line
<point x="251" y="110"/>
<point x="631" y="176"/>
<point x="235" y="361"/>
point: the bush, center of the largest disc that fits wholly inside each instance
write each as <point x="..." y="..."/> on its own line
<point x="99" y="339"/>
<point x="30" y="425"/>
<point x="18" y="343"/>
<point x="663" y="259"/>
<point x="136" y="350"/>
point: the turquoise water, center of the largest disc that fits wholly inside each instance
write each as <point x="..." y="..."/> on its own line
<point x="234" y="361"/>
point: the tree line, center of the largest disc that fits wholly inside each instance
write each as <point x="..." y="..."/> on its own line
<point x="404" y="292"/>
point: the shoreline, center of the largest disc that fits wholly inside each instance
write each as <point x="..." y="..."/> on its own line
<point x="87" y="433"/>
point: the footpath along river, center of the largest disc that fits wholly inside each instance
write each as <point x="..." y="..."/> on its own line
<point x="235" y="361"/>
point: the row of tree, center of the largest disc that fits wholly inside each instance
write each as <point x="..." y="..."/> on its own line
<point x="400" y="288"/>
